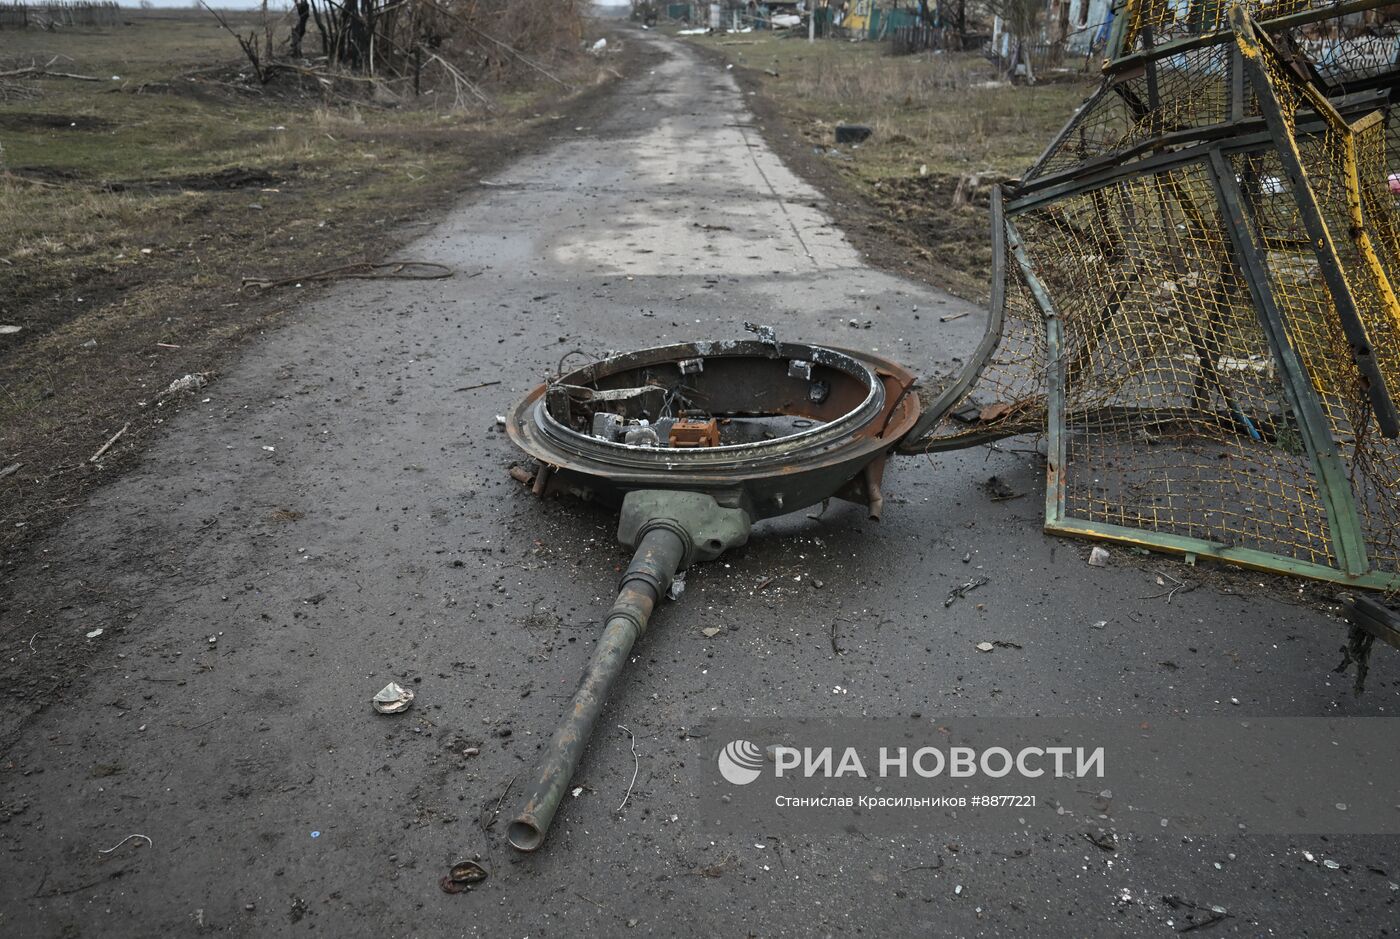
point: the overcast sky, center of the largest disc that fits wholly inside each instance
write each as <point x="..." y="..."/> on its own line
<point x="254" y="4"/>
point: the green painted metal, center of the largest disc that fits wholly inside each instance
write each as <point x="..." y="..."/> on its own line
<point x="1347" y="537"/>
<point x="1343" y="521"/>
<point x="1055" y="401"/>
<point x="1121" y="14"/>
<point x="1245" y="557"/>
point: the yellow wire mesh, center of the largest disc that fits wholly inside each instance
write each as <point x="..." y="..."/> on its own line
<point x="1190" y="90"/>
<point x="1347" y="172"/>
<point x="1177" y="420"/>
<point x="1166" y="20"/>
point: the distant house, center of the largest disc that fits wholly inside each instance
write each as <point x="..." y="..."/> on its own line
<point x="1074" y="26"/>
<point x="874" y="19"/>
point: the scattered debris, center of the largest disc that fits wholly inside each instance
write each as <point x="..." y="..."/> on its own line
<point x="364" y="270"/>
<point x="636" y="768"/>
<point x="853" y="133"/>
<point x="952" y="316"/>
<point x="108" y="445"/>
<point x="7" y="330"/>
<point x="149" y="844"/>
<point x="1370" y="620"/>
<point x="10" y="470"/>
<point x="985" y="647"/>
<point x="599" y="47"/>
<point x="1102" y="842"/>
<point x="710" y="632"/>
<point x="95" y="633"/>
<point x="963" y="590"/>
<point x="480" y="384"/>
<point x="999" y="491"/>
<point x="463" y="876"/>
<point x="393" y="698"/>
<point x="1100" y="624"/>
<point x="189" y="383"/>
<point x="1216" y="913"/>
<point x="488" y="819"/>
<point x="1098" y="557"/>
<point x="677" y="586"/>
<point x="1162" y="578"/>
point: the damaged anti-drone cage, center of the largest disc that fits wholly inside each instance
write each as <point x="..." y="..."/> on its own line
<point x="1195" y="294"/>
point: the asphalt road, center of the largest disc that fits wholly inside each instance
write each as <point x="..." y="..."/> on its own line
<point x="332" y="514"/>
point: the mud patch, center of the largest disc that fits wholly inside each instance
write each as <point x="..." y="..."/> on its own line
<point x="945" y="219"/>
<point x="38" y="120"/>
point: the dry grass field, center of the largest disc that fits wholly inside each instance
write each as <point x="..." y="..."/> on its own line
<point x="938" y="119"/>
<point x="133" y="206"/>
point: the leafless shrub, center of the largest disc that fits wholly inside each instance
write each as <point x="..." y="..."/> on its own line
<point x="454" y="45"/>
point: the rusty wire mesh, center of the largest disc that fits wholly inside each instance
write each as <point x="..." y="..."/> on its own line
<point x="1173" y="322"/>
<point x="1151" y="23"/>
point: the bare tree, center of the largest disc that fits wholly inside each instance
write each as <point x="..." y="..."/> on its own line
<point x="1022" y="19"/>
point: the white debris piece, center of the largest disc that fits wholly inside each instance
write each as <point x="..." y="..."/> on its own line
<point x="392" y="699"/>
<point x="188" y="383"/>
<point x="599" y="46"/>
<point x="1098" y="557"/>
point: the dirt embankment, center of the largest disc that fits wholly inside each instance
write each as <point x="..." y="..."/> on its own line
<point x="123" y="262"/>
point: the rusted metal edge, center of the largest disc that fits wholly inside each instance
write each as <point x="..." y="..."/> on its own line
<point x="1375" y="619"/>
<point x="913" y="441"/>
<point x="1117" y="61"/>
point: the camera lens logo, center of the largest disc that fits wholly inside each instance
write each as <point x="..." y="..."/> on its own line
<point x="741" y="762"/>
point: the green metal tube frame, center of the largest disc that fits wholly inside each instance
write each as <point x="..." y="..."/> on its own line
<point x="1339" y="501"/>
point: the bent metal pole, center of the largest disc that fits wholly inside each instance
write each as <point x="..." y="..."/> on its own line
<point x="659" y="555"/>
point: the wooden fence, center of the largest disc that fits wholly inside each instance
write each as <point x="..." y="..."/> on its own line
<point x="57" y="13"/>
